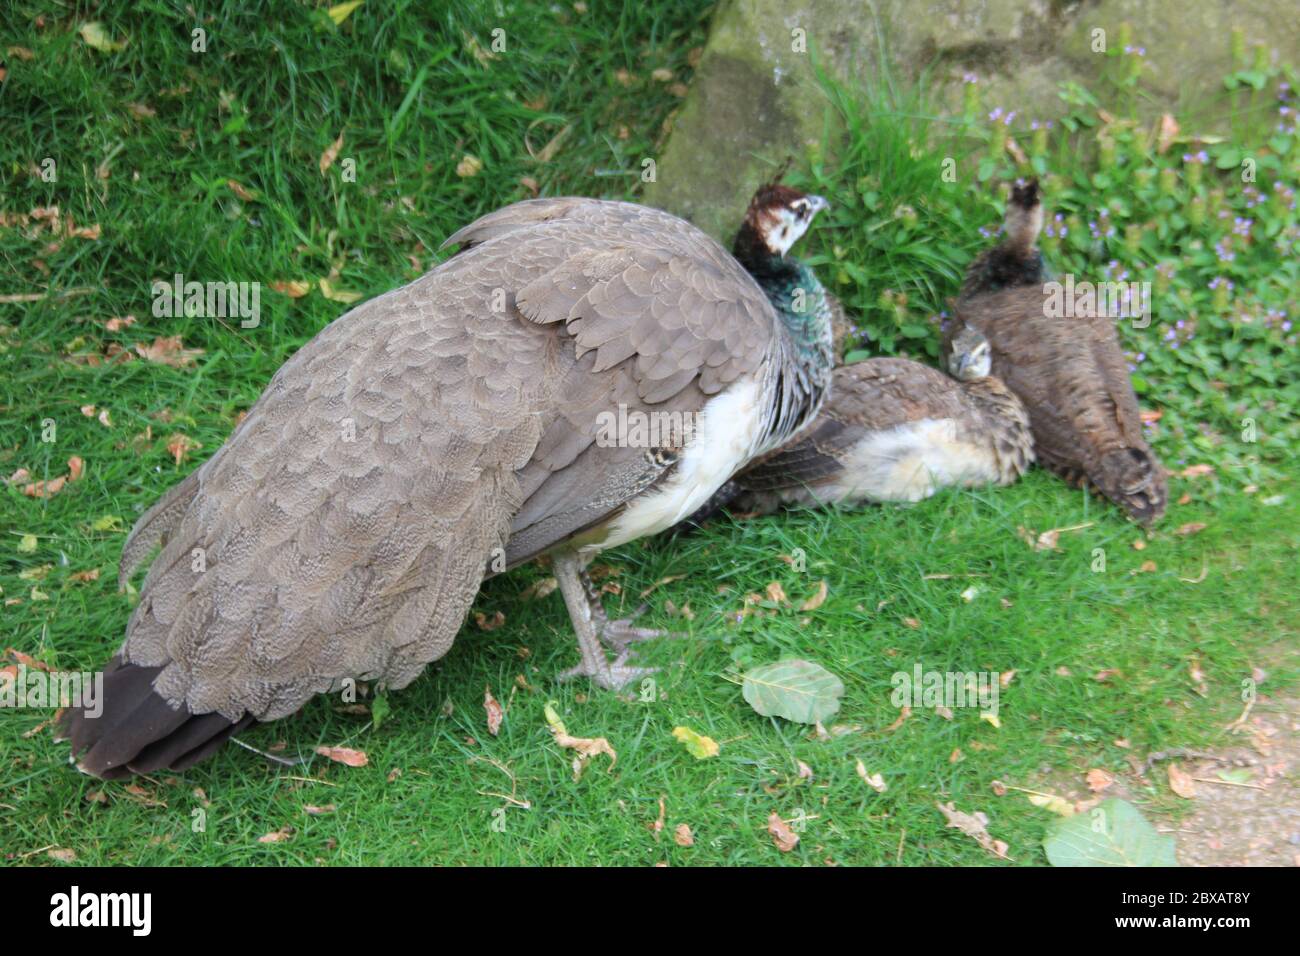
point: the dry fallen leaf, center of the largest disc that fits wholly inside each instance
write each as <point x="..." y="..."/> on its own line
<point x="168" y="350"/>
<point x="1181" y="783"/>
<point x="1191" y="528"/>
<point x="1196" y="471"/>
<point x="344" y="755"/>
<point x="784" y="838"/>
<point x="656" y="826"/>
<point x="279" y="836"/>
<point x="682" y="835"/>
<point x="331" y="153"/>
<point x="240" y="190"/>
<point x="179" y="445"/>
<point x="62" y="855"/>
<point x="494" y="712"/>
<point x="975" y="826"/>
<point x="485" y="622"/>
<point x="776" y="593"/>
<point x="293" y="288"/>
<point x="875" y="781"/>
<point x="818" y="599"/>
<point x="1098" y="780"/>
<point x="470" y="165"/>
<point x="1050" y="801"/>
<point x="1168" y="131"/>
<point x="539" y="589"/>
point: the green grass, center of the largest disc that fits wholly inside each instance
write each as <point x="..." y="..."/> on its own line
<point x="412" y="99"/>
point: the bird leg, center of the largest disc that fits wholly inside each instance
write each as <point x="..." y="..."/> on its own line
<point x="617" y="635"/>
<point x="605" y="673"/>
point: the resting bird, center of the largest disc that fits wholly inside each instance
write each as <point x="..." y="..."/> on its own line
<point x="1015" y="260"/>
<point x="1071" y="375"/>
<point x="447" y="427"/>
<point x="895" y="430"/>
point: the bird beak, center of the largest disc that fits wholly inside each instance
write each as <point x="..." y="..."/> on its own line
<point x="818" y="203"/>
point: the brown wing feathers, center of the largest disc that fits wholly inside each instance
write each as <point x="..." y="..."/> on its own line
<point x="344" y="528"/>
<point x="1070" y="374"/>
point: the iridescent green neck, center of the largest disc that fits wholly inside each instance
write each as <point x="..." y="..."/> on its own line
<point x="800" y="300"/>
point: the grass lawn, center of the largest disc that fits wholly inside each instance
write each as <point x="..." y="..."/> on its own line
<point x="209" y="164"/>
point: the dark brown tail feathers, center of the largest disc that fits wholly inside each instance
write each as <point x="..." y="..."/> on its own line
<point x="137" y="731"/>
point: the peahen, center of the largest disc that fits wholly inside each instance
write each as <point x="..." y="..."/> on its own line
<point x="456" y="425"/>
<point x="894" y="430"/>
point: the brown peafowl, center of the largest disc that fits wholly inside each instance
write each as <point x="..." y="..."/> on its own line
<point x="449" y="427"/>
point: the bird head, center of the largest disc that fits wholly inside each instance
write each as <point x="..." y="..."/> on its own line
<point x="778" y="215"/>
<point x="1024" y="216"/>
<point x="970" y="357"/>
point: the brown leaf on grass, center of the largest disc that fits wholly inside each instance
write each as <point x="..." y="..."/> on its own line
<point x="1192" y="527"/>
<point x="682" y="835"/>
<point x="279" y="836"/>
<point x="875" y="781"/>
<point x="344" y="755"/>
<point x="539" y="589"/>
<point x="319" y="811"/>
<point x="62" y="854"/>
<point x="27" y="660"/>
<point x="1196" y="471"/>
<point x="142" y="110"/>
<point x="586" y="748"/>
<point x="495" y="713"/>
<point x="1104" y="675"/>
<point x="1181" y="783"/>
<point x="656" y="826"/>
<point x="818" y="598"/>
<point x="331" y="153"/>
<point x="784" y="838"/>
<point x="47" y="489"/>
<point x="904" y="713"/>
<point x="168" y="350"/>
<point x="91" y="575"/>
<point x="293" y="288"/>
<point x="913" y="623"/>
<point x="469" y="166"/>
<point x="1098" y="780"/>
<point x="776" y="593"/>
<point x="975" y="826"/>
<point x="20" y="53"/>
<point x="1167" y="131"/>
<point x="179" y="445"/>
<point x="240" y="190"/>
<point x="491" y="622"/>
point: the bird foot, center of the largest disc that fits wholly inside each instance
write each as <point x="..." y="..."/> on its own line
<point x="611" y="675"/>
<point x="617" y="635"/>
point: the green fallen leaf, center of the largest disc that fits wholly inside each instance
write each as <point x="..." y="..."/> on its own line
<point x="342" y="11"/>
<point x="1113" y="833"/>
<point x="95" y="36"/>
<point x="700" y="747"/>
<point x="379" y="710"/>
<point x="795" y="689"/>
<point x="27" y="544"/>
<point x="1239" y="775"/>
<point x="107" y="523"/>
